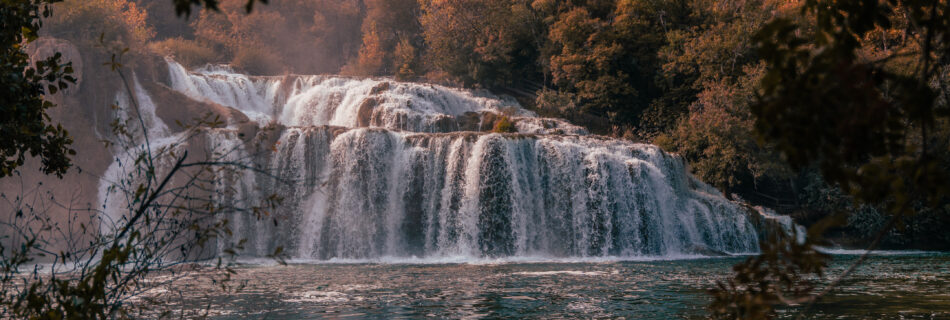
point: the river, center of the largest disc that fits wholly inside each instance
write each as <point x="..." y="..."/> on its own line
<point x="888" y="286"/>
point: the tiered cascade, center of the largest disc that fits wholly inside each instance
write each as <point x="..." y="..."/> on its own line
<point x="373" y="168"/>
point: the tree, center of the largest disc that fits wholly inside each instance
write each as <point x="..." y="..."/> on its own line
<point x="24" y="124"/>
<point x="717" y="138"/>
<point x="860" y="92"/>
<point x="714" y="46"/>
<point x="94" y="25"/>
<point x="300" y="36"/>
<point x="490" y="44"/>
<point x="389" y="26"/>
<point x="372" y="59"/>
<point x="406" y="60"/>
<point x="605" y="55"/>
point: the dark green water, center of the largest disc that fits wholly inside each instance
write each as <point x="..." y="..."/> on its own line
<point x="886" y="287"/>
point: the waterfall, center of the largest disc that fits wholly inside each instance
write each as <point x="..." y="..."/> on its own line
<point x="369" y="193"/>
<point x="784" y="224"/>
<point x="135" y="115"/>
<point x="373" y="168"/>
<point x="349" y="102"/>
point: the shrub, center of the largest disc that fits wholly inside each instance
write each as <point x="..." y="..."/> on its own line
<point x="504" y="126"/>
<point x="189" y="53"/>
<point x="258" y="61"/>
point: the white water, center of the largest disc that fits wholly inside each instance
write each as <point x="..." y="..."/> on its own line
<point x="146" y="132"/>
<point x="407" y="184"/>
<point x="348" y="102"/>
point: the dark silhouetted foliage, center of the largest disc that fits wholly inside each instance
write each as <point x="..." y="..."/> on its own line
<point x="24" y="124"/>
<point x="858" y="90"/>
<point x="185" y="7"/>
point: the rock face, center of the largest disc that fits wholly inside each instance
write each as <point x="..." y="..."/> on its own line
<point x="86" y="110"/>
<point x="49" y="195"/>
<point x="45" y="47"/>
<point x="365" y="114"/>
<point x="179" y="108"/>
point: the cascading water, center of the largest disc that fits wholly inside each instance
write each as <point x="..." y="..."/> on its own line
<point x="348" y="102"/>
<point x="135" y="116"/>
<point x="389" y="169"/>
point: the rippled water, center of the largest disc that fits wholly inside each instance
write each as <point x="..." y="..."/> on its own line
<point x="887" y="286"/>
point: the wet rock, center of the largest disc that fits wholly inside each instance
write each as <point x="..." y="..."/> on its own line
<point x="379" y="88"/>
<point x="177" y="108"/>
<point x="364" y="116"/>
<point x="468" y="121"/>
<point x="445" y="123"/>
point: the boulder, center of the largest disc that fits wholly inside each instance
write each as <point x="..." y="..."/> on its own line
<point x="46" y="47"/>
<point x="379" y="88"/>
<point x="364" y="116"/>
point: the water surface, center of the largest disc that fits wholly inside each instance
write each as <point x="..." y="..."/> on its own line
<point x="904" y="286"/>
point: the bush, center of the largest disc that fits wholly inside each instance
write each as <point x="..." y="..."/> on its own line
<point x="257" y="61"/>
<point x="504" y="126"/>
<point x="189" y="53"/>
